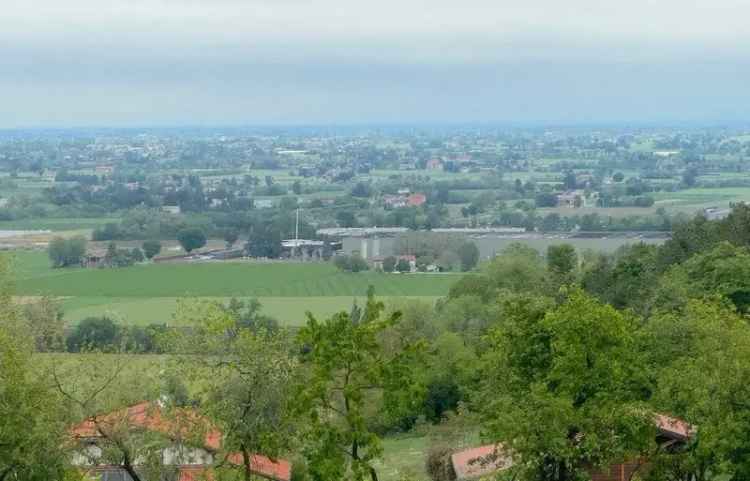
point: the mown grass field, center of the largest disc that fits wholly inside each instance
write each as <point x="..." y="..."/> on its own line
<point x="149" y="293"/>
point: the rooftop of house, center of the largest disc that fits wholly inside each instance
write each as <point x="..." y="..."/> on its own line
<point x="477" y="462"/>
<point x="178" y="424"/>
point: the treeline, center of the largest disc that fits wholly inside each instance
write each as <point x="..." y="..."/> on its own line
<point x="563" y="357"/>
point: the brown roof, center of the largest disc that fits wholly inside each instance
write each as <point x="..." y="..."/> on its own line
<point x="477" y="462"/>
<point x="673" y="427"/>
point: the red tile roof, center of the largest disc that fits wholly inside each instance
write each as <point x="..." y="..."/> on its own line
<point x="279" y="469"/>
<point x="148" y="415"/>
<point x="477" y="462"/>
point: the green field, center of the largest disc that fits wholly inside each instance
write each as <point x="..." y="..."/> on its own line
<point x="149" y="293"/>
<point x="56" y="224"/>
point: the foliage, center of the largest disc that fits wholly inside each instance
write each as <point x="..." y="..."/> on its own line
<point x="564" y="387"/>
<point x="151" y="248"/>
<point x="191" y="239"/>
<point x="348" y="369"/>
<point x="45" y="320"/>
<point x="32" y="421"/>
<point x="99" y="333"/>
<point x="67" y="252"/>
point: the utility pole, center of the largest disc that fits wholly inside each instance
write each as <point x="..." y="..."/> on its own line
<point x="296" y="234"/>
<point x="296" y="228"/>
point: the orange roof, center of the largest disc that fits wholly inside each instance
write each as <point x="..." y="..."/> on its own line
<point x="477" y="462"/>
<point x="279" y="469"/>
<point x="148" y="415"/>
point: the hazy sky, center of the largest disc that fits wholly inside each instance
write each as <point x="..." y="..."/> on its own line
<point x="145" y="62"/>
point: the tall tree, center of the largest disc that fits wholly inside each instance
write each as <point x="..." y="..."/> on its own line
<point x="563" y="387"/>
<point x="245" y="375"/>
<point x="349" y="369"/>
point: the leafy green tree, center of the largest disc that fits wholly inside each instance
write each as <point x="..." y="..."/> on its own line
<point x="518" y="268"/>
<point x="230" y="237"/>
<point x="67" y="252"/>
<point x="389" y="264"/>
<point x="100" y="333"/>
<point x="32" y="419"/>
<point x="151" y="248"/>
<point x="136" y="254"/>
<point x="723" y="270"/>
<point x="563" y="387"/>
<point x="264" y="240"/>
<point x="618" y="177"/>
<point x="700" y="357"/>
<point x="45" y="320"/>
<point x="562" y="259"/>
<point x="351" y="379"/>
<point x="403" y="266"/>
<point x="469" y="254"/>
<point x="245" y="376"/>
<point x="191" y="239"/>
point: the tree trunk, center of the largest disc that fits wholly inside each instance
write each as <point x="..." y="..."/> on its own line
<point x="128" y="467"/>
<point x="246" y="462"/>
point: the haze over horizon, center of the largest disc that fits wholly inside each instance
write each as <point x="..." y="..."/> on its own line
<point x="190" y="62"/>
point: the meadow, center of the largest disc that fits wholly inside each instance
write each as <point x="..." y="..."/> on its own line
<point x="149" y="293"/>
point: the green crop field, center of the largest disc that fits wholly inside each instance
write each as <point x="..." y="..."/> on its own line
<point x="56" y="224"/>
<point x="149" y="293"/>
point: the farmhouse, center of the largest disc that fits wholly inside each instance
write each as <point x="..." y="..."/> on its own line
<point x="191" y="460"/>
<point x="482" y="461"/>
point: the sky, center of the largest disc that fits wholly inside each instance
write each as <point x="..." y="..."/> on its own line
<point x="68" y="63"/>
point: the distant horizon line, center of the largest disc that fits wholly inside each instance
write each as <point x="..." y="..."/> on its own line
<point x="385" y="125"/>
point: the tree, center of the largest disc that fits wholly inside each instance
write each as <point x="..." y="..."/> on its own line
<point x="136" y="254"/>
<point x="191" y="239"/>
<point x="245" y="373"/>
<point x="562" y="259"/>
<point x="403" y="266"/>
<point x="264" y="240"/>
<point x="230" y="237"/>
<point x="700" y="357"/>
<point x="469" y="254"/>
<point x="32" y="419"/>
<point x="100" y="333"/>
<point x="151" y="248"/>
<point x="564" y="387"/>
<point x="67" y="252"/>
<point x="352" y="379"/>
<point x="389" y="264"/>
<point x="45" y="319"/>
<point x="618" y="177"/>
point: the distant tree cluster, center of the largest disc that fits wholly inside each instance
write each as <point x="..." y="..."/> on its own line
<point x="67" y="252"/>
